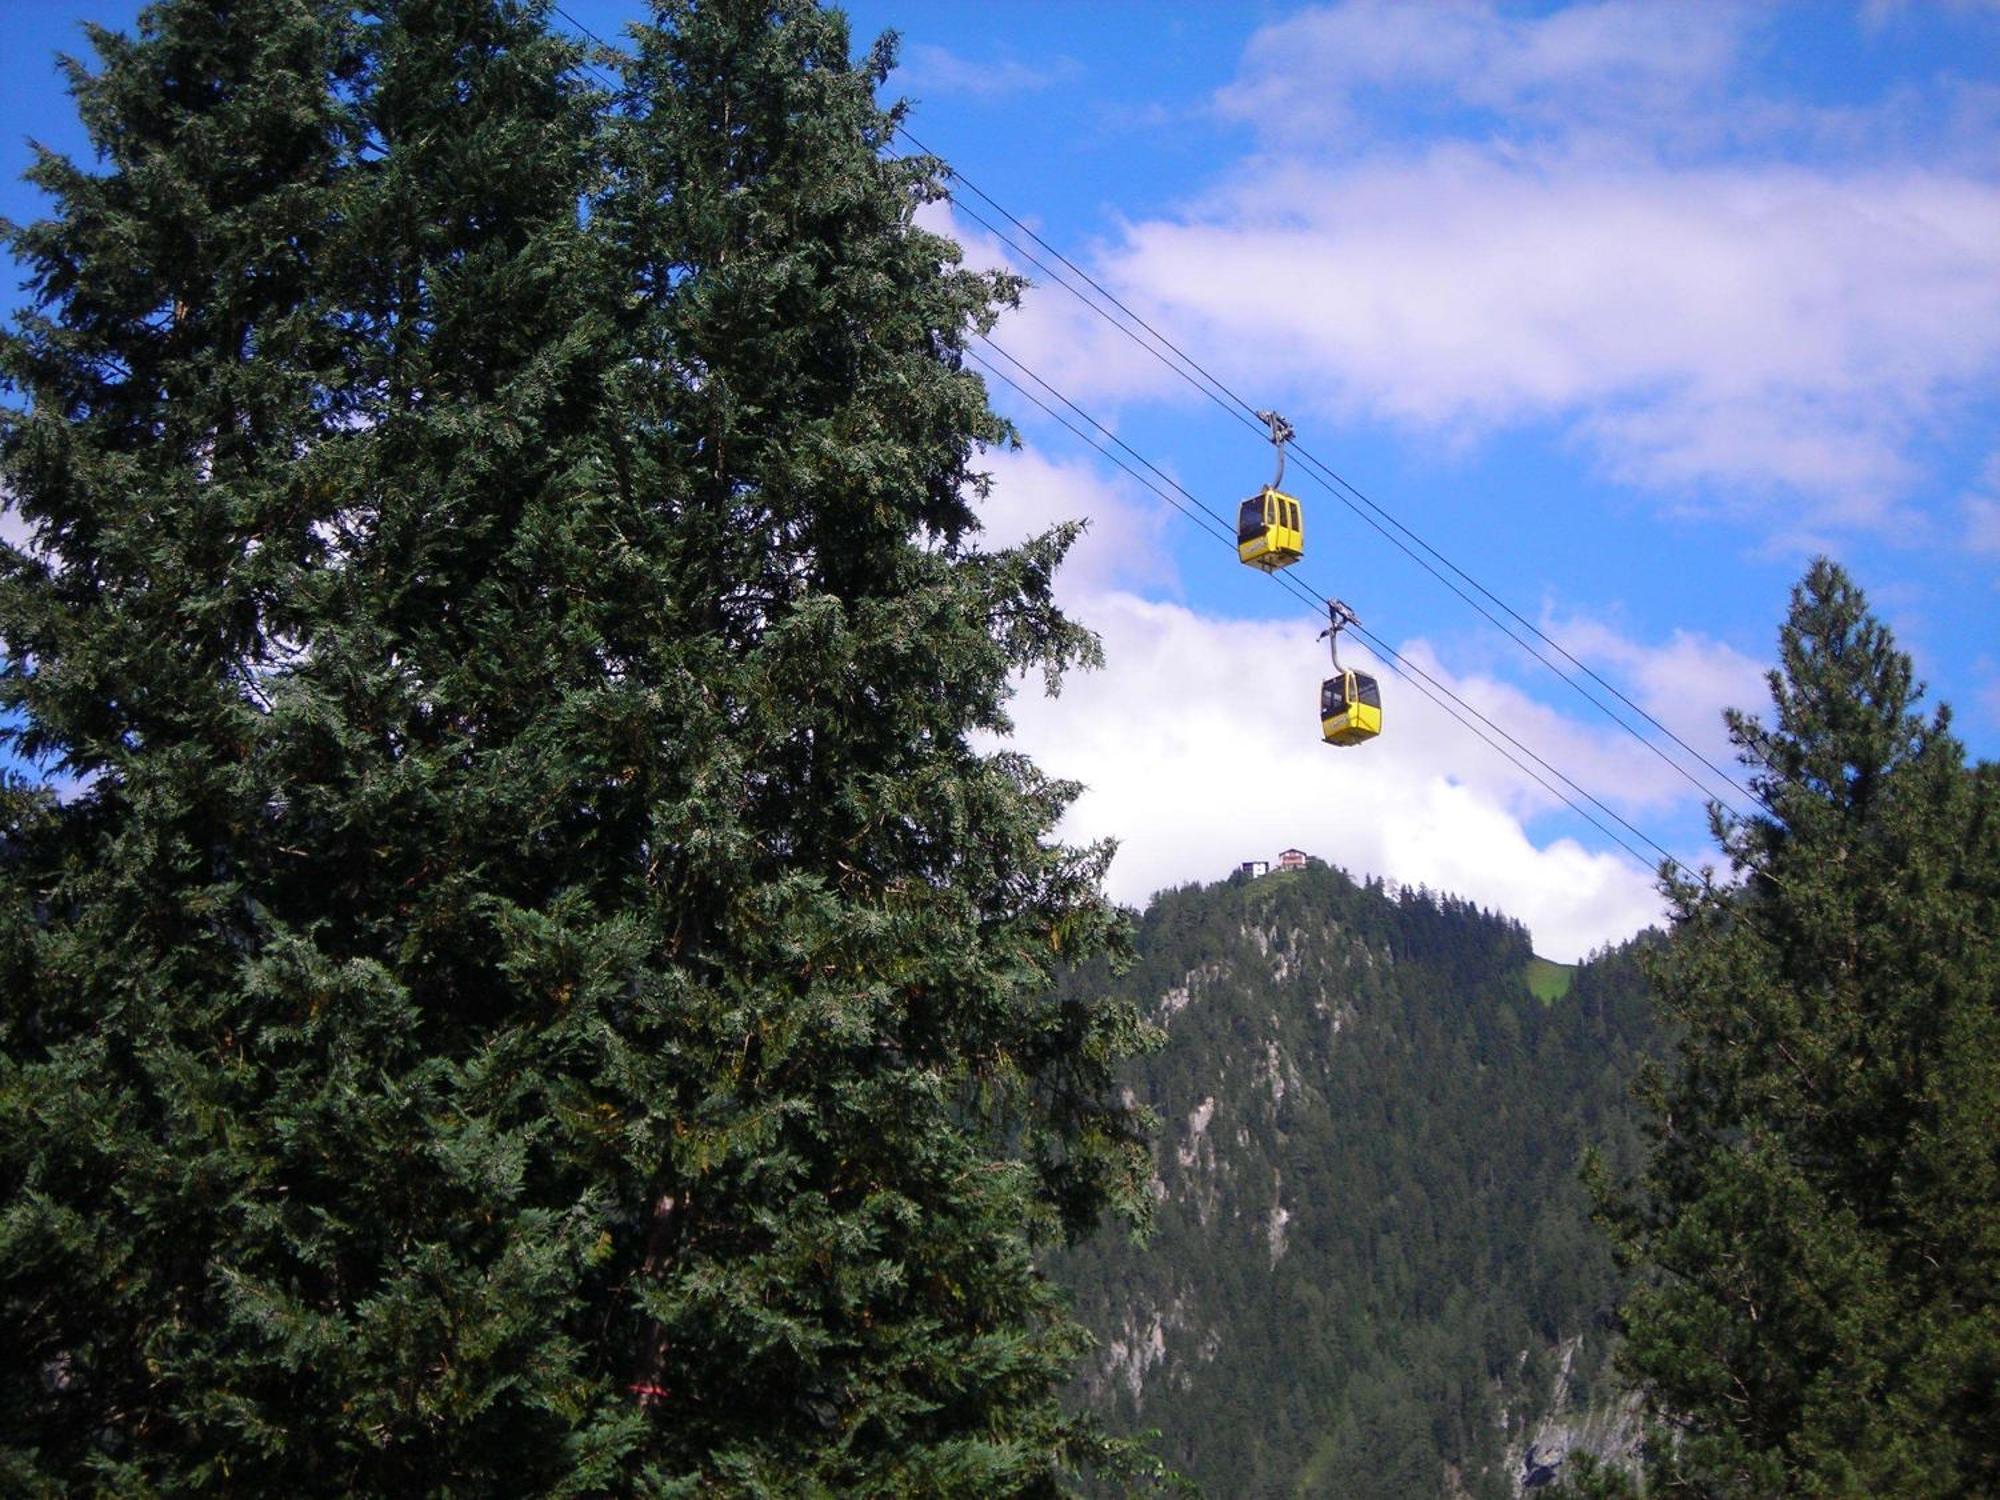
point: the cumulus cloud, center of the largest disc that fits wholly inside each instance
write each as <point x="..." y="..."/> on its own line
<point x="1199" y="747"/>
<point x="1988" y="696"/>
<point x="1121" y="546"/>
<point x="1739" y="330"/>
<point x="1685" y="683"/>
<point x="1318" y="73"/>
<point x="1054" y="332"/>
<point x="1594" y="228"/>
<point x="1581" y="753"/>
<point x="928" y="68"/>
<point x="1198" y="743"/>
<point x="1877" y="13"/>
<point x="1772" y="328"/>
<point x="1982" y="524"/>
<point x="1982" y="512"/>
<point x="14" y="528"/>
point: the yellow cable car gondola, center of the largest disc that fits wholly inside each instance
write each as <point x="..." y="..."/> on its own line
<point x="1270" y="531"/>
<point x="1350" y="703"/>
<point x="1350" y="709"/>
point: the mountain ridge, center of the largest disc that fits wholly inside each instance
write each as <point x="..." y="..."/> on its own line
<point x="1373" y="1270"/>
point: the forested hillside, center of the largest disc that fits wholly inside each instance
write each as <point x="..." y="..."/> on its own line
<point x="1374" y="1271"/>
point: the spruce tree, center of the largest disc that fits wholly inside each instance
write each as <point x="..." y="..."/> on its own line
<point x="170" y="374"/>
<point x="876" y="1093"/>
<point x="1818" y="1231"/>
<point x="535" y="985"/>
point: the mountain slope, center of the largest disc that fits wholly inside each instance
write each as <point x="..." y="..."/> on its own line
<point x="1374" y="1271"/>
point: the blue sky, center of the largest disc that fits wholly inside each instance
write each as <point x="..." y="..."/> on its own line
<point x="1627" y="308"/>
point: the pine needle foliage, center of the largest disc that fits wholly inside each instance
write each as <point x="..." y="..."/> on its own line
<point x="1818" y="1233"/>
<point x="535" y="982"/>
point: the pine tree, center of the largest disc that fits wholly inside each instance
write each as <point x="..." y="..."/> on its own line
<point x="1818" y="1231"/>
<point x="170" y="374"/>
<point x="535" y="987"/>
<point x="864" y="908"/>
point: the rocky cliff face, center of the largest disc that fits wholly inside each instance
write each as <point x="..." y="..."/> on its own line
<point x="1554" y="1425"/>
<point x="1373" y="1272"/>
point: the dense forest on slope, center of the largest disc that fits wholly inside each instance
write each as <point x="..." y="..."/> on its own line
<point x="1374" y="1271"/>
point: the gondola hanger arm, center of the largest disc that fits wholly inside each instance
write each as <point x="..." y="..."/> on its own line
<point x="1281" y="434"/>
<point x="1339" y="617"/>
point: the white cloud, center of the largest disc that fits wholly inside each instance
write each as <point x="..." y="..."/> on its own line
<point x="1199" y="747"/>
<point x="1982" y="525"/>
<point x="927" y="68"/>
<point x="1316" y="73"/>
<point x="1770" y="328"/>
<point x="1988" y="696"/>
<point x="1199" y="744"/>
<point x="1596" y="758"/>
<point x="1982" y="512"/>
<point x="1876" y="13"/>
<point x="1052" y="332"/>
<point x="1734" y="328"/>
<point x="14" y="528"/>
<point x="1121" y="546"/>
<point x="1685" y="684"/>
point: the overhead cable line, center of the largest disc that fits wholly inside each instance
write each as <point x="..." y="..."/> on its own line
<point x="1327" y="478"/>
<point x="1165" y="487"/>
<point x="1471" y="718"/>
<point x="1212" y="386"/>
<point x="590" y="67"/>
<point x="1401" y="536"/>
<point x="1216" y="390"/>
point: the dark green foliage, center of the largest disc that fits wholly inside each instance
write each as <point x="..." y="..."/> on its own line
<point x="1375" y="1067"/>
<point x="535" y="990"/>
<point x="1819" y="1226"/>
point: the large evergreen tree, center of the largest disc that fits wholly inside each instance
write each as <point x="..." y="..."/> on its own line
<point x="533" y="986"/>
<point x="1819" y="1229"/>
<point x="876" y="1094"/>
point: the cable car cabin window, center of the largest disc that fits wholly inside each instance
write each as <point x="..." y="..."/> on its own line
<point x="1250" y="519"/>
<point x="1292" y="515"/>
<point x="1365" y="690"/>
<point x="1332" y="697"/>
